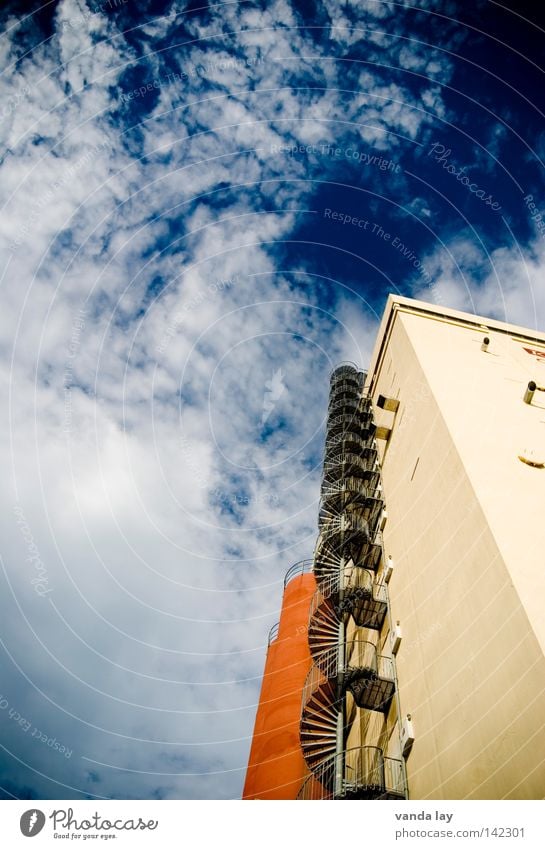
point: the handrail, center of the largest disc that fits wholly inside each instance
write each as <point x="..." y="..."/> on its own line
<point x="350" y="578"/>
<point x="348" y="523"/>
<point x="366" y="486"/>
<point x="346" y="436"/>
<point x="341" y="398"/>
<point x="314" y="680"/>
<point x="359" y="655"/>
<point x="326" y="554"/>
<point x="273" y="633"/>
<point x="345" y="364"/>
<point x="344" y="458"/>
<point x="345" y="384"/>
<point x="361" y="422"/>
<point x="302" y="567"/>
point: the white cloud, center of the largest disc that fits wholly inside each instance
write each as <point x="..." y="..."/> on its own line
<point x="510" y="284"/>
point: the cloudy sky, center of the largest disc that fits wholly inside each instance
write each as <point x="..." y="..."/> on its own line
<point x="204" y="207"/>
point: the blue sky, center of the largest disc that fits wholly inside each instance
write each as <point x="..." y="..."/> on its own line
<point x="204" y="208"/>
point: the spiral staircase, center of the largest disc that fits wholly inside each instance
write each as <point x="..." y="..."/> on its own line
<point x="346" y="559"/>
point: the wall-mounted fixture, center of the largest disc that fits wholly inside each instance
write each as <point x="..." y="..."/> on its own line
<point x="529" y="394"/>
<point x="385" y="403"/>
<point x="485" y="343"/>
<point x="388" y="569"/>
<point x="395" y="638"/>
<point x="406" y="736"/>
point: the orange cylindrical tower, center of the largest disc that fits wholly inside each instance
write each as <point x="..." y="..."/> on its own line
<point x="276" y="767"/>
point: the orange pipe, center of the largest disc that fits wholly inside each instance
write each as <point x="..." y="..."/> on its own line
<point x="276" y="767"/>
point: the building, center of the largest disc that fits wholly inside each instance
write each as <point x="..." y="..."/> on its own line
<point x="415" y="638"/>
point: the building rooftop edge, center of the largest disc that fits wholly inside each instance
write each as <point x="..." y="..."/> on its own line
<point x="396" y="303"/>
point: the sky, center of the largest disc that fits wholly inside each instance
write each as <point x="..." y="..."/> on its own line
<point x="204" y="209"/>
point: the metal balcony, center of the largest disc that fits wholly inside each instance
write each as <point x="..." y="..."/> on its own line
<point x="358" y="422"/>
<point x="346" y="371"/>
<point x="354" y="592"/>
<point x="357" y="773"/>
<point x="369" y="676"/>
<point x="273" y="633"/>
<point x="328" y="558"/>
<point x="349" y="442"/>
<point x="351" y="482"/>
<point x="348" y="464"/>
<point x="348" y="502"/>
<point x="343" y="403"/>
<point x="345" y="385"/>
<point x="335" y="471"/>
<point x="347" y="529"/>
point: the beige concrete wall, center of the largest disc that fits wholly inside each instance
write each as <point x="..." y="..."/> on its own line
<point x="465" y="532"/>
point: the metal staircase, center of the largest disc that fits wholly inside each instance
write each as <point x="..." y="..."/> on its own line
<point x="347" y="556"/>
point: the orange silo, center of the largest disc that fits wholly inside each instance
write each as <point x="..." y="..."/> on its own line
<point x="276" y="768"/>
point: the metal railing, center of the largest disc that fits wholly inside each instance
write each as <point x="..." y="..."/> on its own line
<point x="302" y="567"/>
<point x="361" y="654"/>
<point x="348" y="442"/>
<point x="368" y="483"/>
<point x="345" y="387"/>
<point x="349" y="592"/>
<point x="326" y="661"/>
<point x="346" y="526"/>
<point x="273" y="633"/>
<point x="328" y="555"/>
<point x="395" y="777"/>
<point x="345" y="384"/>
<point x="358" y="422"/>
<point x="342" y="460"/>
<point x="365" y="771"/>
<point x="349" y="369"/>
<point x="350" y="578"/>
<point x="314" y="680"/>
<point x="343" y="404"/>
